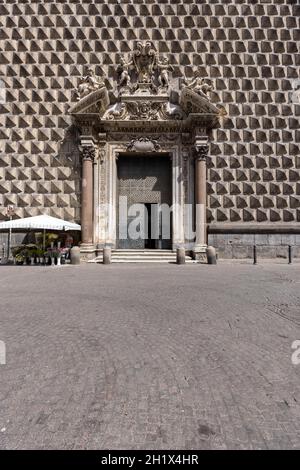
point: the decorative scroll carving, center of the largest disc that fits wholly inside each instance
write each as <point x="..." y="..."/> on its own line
<point x="143" y="144"/>
<point x="116" y="112"/>
<point x="171" y="111"/>
<point x="143" y="110"/>
<point x="149" y="110"/>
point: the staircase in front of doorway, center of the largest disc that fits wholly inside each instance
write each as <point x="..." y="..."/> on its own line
<point x="142" y="256"/>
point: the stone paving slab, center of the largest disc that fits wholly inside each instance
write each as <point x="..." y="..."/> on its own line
<point x="127" y="356"/>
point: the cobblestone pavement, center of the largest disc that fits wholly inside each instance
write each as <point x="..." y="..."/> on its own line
<point x="150" y="356"/>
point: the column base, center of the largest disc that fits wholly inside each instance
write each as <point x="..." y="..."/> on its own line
<point x="87" y="251"/>
<point x="199" y="253"/>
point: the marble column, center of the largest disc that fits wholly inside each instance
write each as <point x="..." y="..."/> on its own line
<point x="88" y="155"/>
<point x="201" y="149"/>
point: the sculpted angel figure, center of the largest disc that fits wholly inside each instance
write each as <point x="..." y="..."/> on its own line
<point x="199" y="86"/>
<point x="88" y="84"/>
<point x="124" y="76"/>
<point x="164" y="68"/>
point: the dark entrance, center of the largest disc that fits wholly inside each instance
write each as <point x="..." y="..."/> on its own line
<point x="146" y="181"/>
<point x="153" y="239"/>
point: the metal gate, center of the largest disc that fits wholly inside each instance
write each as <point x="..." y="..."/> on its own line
<point x="145" y="180"/>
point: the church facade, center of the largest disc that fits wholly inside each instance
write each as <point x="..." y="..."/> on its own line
<point x="178" y="117"/>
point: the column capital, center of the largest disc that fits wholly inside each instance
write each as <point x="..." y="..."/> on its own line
<point x="201" y="150"/>
<point x="88" y="152"/>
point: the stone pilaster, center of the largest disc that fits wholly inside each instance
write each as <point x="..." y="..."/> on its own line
<point x="100" y="188"/>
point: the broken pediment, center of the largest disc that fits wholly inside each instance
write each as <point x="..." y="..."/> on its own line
<point x="144" y="92"/>
<point x="193" y="103"/>
<point x="95" y="102"/>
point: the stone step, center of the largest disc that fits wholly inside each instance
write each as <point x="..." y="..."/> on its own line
<point x="144" y="260"/>
<point x="141" y="256"/>
<point x="123" y="251"/>
<point x="159" y="255"/>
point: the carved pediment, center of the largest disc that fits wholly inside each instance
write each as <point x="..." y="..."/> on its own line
<point x="96" y="102"/>
<point x="144" y="94"/>
<point x="193" y="103"/>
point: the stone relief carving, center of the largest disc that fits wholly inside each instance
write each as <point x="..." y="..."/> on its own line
<point x="116" y="112"/>
<point x="143" y="144"/>
<point x="172" y="111"/>
<point x="185" y="172"/>
<point x="144" y="110"/>
<point x="143" y="92"/>
<point x="198" y="85"/>
<point x="144" y="59"/>
<point x="102" y="147"/>
<point x="89" y="84"/>
<point x="144" y="71"/>
<point x="102" y="154"/>
<point x="157" y="135"/>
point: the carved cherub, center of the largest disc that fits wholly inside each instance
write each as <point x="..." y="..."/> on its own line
<point x="124" y="76"/>
<point x="199" y="86"/>
<point x="163" y="68"/>
<point x="88" y="84"/>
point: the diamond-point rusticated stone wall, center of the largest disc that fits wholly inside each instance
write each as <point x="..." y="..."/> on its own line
<point x="249" y="50"/>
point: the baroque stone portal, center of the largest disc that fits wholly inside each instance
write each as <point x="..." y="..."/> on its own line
<point x="146" y="113"/>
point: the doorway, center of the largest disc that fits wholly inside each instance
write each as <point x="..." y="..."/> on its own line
<point x="145" y="183"/>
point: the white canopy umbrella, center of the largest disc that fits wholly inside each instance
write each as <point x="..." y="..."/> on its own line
<point x="39" y="222"/>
